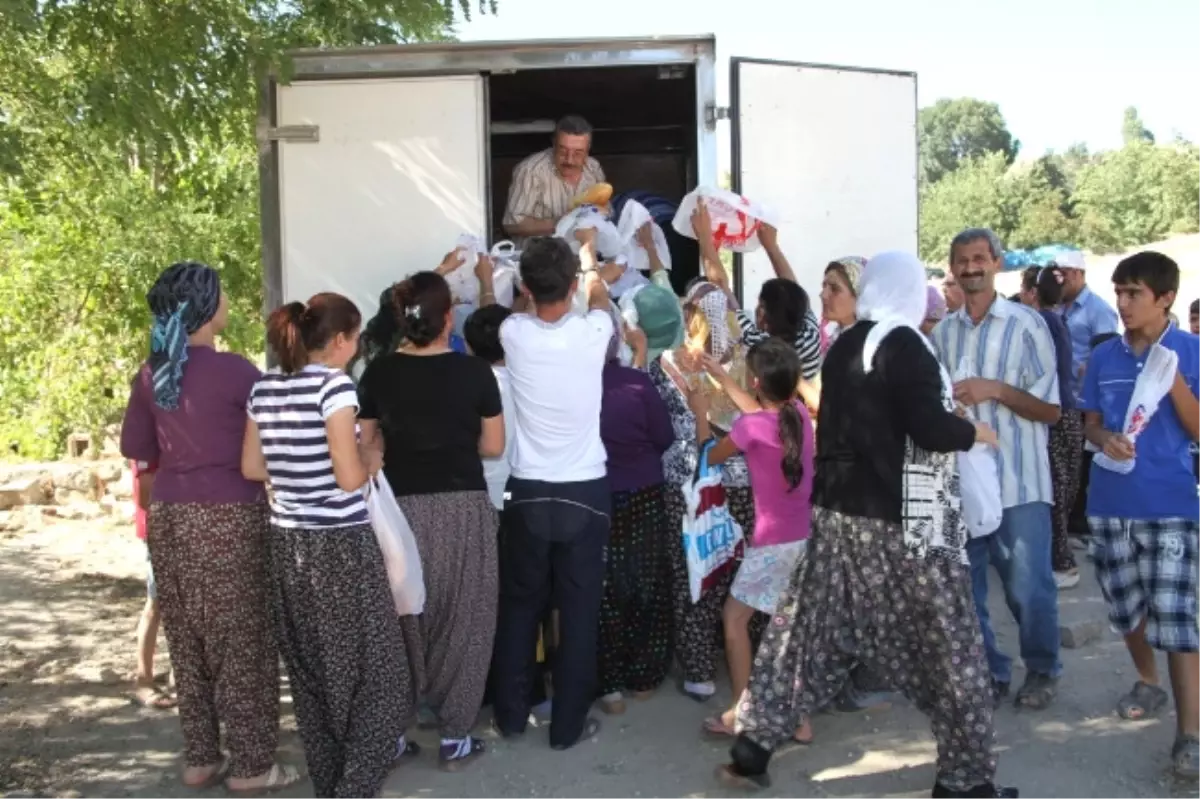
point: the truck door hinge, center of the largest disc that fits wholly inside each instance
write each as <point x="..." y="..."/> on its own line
<point x="295" y="133"/>
<point x="713" y="113"/>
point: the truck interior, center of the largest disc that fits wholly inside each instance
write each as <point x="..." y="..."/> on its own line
<point x="645" y="123"/>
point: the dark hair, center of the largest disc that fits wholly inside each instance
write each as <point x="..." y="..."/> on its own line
<point x="1152" y="269"/>
<point x="548" y="269"/>
<point x="296" y="329"/>
<point x="572" y="125"/>
<point x="1194" y="308"/>
<point x="381" y="334"/>
<point x="973" y="234"/>
<point x="1050" y="282"/>
<point x="421" y="303"/>
<point x="482" y="332"/>
<point x="1100" y="338"/>
<point x="1029" y="277"/>
<point x="776" y="366"/>
<point x="785" y="306"/>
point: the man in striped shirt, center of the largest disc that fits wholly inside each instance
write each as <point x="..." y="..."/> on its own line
<point x="1003" y="360"/>
<point x="544" y="184"/>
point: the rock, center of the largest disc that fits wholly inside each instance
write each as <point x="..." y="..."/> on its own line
<point x="1081" y="633"/>
<point x="109" y="471"/>
<point x="79" y="510"/>
<point x="78" y="478"/>
<point x="67" y="496"/>
<point x="27" y="490"/>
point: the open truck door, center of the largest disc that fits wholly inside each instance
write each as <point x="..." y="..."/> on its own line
<point x="374" y="180"/>
<point x="833" y="151"/>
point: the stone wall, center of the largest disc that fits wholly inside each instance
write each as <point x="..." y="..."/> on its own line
<point x="32" y="493"/>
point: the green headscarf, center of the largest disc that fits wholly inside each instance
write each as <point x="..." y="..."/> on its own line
<point x="660" y="318"/>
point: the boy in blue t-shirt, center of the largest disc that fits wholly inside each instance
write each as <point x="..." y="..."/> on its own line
<point x="1146" y="524"/>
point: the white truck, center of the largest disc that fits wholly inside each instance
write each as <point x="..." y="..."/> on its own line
<point x="374" y="160"/>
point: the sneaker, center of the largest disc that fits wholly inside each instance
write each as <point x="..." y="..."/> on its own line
<point x="1067" y="579"/>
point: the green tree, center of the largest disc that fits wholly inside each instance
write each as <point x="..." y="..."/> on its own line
<point x="954" y="131"/>
<point x="126" y="143"/>
<point x="1132" y="129"/>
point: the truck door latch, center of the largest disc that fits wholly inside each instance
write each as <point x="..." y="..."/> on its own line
<point x="713" y="113"/>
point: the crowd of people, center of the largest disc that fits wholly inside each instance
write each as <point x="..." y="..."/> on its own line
<point x="544" y="478"/>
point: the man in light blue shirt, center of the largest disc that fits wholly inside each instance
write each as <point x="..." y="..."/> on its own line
<point x="1004" y="364"/>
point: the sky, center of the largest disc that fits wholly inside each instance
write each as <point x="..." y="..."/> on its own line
<point x="1062" y="71"/>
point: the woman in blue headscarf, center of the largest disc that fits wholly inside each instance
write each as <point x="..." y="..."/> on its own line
<point x="207" y="534"/>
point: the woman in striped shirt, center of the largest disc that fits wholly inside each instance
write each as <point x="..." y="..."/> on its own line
<point x="336" y="623"/>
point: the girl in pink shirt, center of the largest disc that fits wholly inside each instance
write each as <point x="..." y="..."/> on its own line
<point x="777" y="442"/>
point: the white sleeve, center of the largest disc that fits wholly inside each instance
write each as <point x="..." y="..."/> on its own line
<point x="599" y="330"/>
<point x="338" y="393"/>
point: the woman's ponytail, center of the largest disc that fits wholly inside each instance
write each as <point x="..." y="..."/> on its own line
<point x="285" y="337"/>
<point x="791" y="438"/>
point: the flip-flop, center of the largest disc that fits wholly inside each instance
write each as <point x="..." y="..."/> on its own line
<point x="715" y="727"/>
<point x="152" y="697"/>
<point x="1185" y="756"/>
<point x="279" y="778"/>
<point x="452" y="764"/>
<point x="212" y="780"/>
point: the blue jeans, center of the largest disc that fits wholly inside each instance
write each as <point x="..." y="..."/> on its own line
<point x="1020" y="551"/>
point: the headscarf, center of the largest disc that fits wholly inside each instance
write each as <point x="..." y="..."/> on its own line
<point x="935" y="304"/>
<point x="660" y="318"/>
<point x="184" y="299"/>
<point x="712" y="303"/>
<point x="852" y="266"/>
<point x="893" y="296"/>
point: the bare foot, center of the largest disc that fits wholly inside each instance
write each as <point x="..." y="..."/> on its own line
<point x="277" y="778"/>
<point x="203" y="776"/>
<point x="149" y="695"/>
<point x="804" y="733"/>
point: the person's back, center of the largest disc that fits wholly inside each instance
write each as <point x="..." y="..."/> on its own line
<point x="482" y="333"/>
<point x="200" y="441"/>
<point x="557" y="515"/>
<point x="635" y="427"/>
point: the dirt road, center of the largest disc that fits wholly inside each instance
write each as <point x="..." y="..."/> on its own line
<point x="69" y="598"/>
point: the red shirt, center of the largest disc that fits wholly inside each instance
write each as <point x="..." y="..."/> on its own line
<point x="140" y="468"/>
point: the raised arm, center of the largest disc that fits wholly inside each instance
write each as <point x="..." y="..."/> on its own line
<point x="769" y="237"/>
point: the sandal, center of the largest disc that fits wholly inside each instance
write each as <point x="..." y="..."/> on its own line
<point x="1142" y="702"/>
<point x="458" y="758"/>
<point x="410" y="751"/>
<point x="1185" y="756"/>
<point x="279" y="778"/>
<point x="152" y="697"/>
<point x="1037" y="692"/>
<point x="212" y="780"/>
<point x="746" y="783"/>
<point x="715" y="727"/>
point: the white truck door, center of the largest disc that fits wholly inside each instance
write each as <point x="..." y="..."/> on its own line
<point x="833" y="151"/>
<point x="397" y="174"/>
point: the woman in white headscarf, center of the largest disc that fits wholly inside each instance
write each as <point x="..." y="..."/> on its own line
<point x="886" y="581"/>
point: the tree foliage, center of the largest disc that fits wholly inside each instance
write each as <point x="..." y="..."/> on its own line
<point x="1106" y="201"/>
<point x="956" y="131"/>
<point x="1132" y="129"/>
<point x="126" y="143"/>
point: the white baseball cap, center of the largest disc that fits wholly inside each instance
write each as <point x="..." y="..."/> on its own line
<point x="1070" y="259"/>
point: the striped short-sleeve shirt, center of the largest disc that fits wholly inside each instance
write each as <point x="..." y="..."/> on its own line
<point x="538" y="192"/>
<point x="807" y="343"/>
<point x="290" y="411"/>
<point x="1012" y="344"/>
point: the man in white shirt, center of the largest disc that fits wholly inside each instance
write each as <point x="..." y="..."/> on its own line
<point x="558" y="509"/>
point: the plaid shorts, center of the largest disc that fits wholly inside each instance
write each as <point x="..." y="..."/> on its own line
<point x="1147" y="569"/>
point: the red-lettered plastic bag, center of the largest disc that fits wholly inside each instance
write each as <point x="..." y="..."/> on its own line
<point x="735" y="219"/>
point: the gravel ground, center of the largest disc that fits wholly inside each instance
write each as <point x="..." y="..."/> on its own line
<point x="70" y="594"/>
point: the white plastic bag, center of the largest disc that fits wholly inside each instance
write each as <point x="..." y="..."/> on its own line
<point x="629" y="280"/>
<point x="1153" y="383"/>
<point x="735" y="219"/>
<point x="585" y="217"/>
<point x="979" y="482"/>
<point x="464" y="287"/>
<point x="399" y="546"/>
<point x="713" y="541"/>
<point x="633" y="216"/>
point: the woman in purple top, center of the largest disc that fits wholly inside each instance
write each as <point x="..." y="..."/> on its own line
<point x="635" y="617"/>
<point x="207" y="535"/>
<point x="1066" y="436"/>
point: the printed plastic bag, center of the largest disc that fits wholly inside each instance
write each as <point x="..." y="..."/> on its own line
<point x="735" y="219"/>
<point x="400" y="554"/>
<point x="608" y="240"/>
<point x="633" y="216"/>
<point x="712" y="540"/>
<point x="1153" y="383"/>
<point x="979" y="482"/>
<point x="464" y="288"/>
